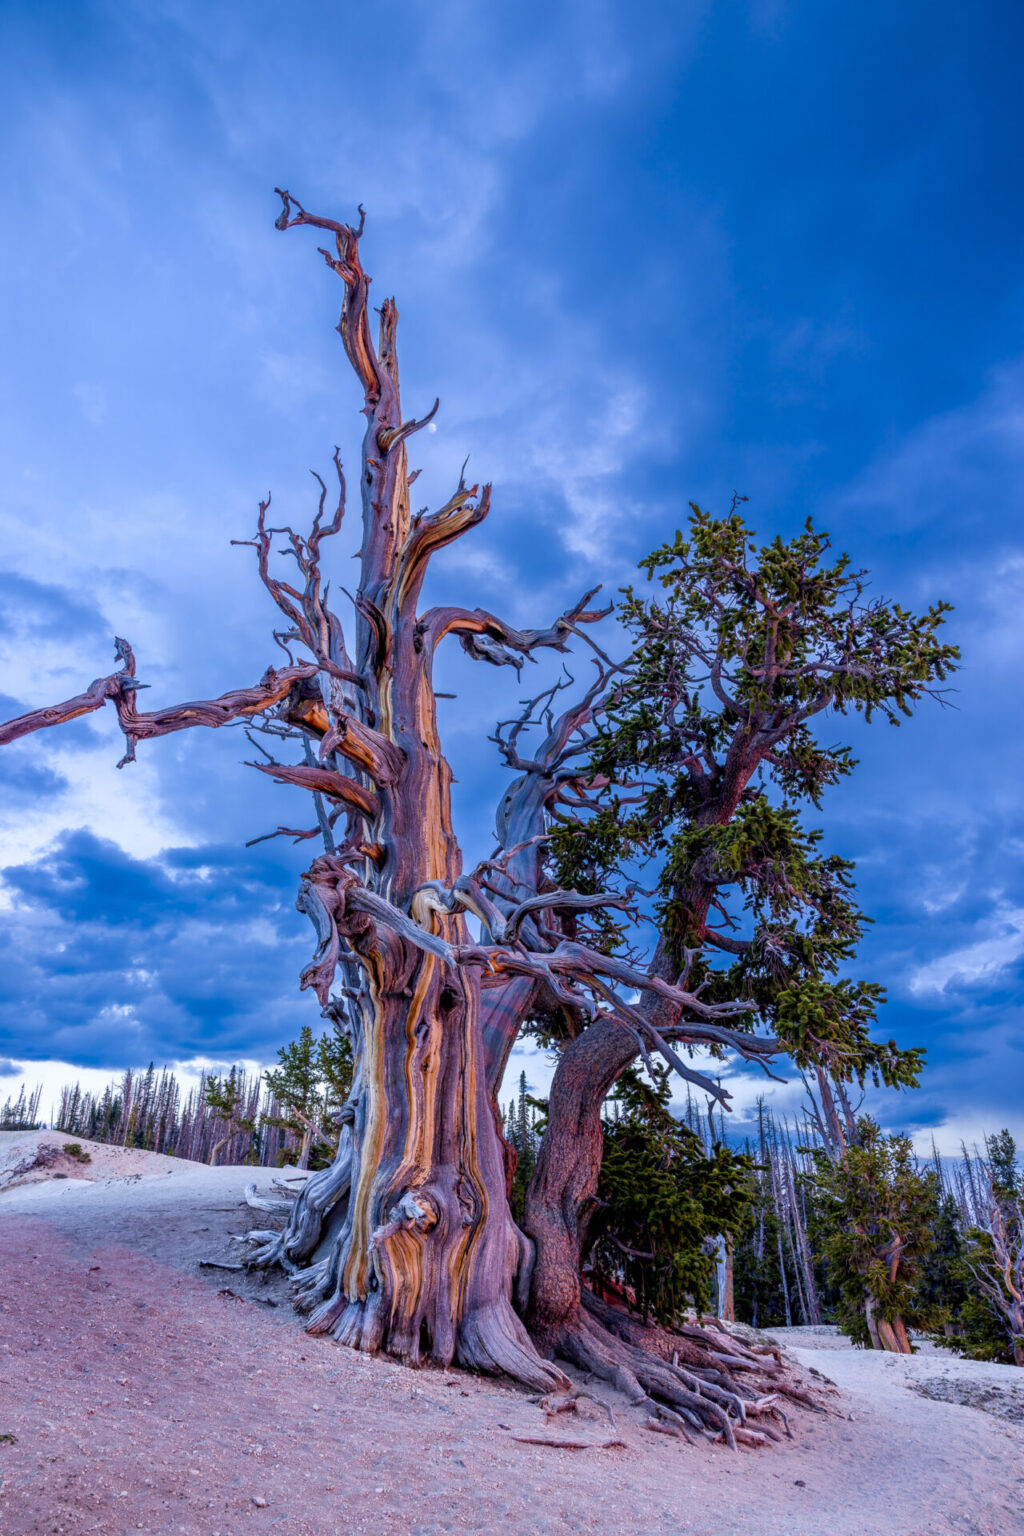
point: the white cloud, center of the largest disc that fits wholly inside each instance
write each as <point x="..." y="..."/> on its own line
<point x="968" y="1127"/>
<point x="126" y="808"/>
<point x="940" y="896"/>
<point x="975" y="963"/>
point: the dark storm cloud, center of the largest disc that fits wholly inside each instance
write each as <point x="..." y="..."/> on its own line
<point x="27" y="782"/>
<point x="106" y="958"/>
<point x="38" y="609"/>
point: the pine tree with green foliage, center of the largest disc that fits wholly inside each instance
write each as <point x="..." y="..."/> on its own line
<point x="224" y="1096"/>
<point x="310" y="1086"/>
<point x="944" y="1290"/>
<point x="878" y="1212"/>
<point x="522" y="1136"/>
<point x="703" y="780"/>
<point x="22" y="1113"/>
<point x="662" y="1201"/>
<point x="710" y="731"/>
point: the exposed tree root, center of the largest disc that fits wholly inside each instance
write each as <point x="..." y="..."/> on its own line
<point x="664" y="1426"/>
<point x="710" y="1351"/>
<point x="700" y="1380"/>
<point x="306" y="1212"/>
<point x="696" y="1381"/>
<point x="490" y="1338"/>
<point x="555" y="1403"/>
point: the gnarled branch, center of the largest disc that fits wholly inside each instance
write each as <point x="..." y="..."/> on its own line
<point x="121" y="687"/>
<point x="488" y="638"/>
<point x="324" y="781"/>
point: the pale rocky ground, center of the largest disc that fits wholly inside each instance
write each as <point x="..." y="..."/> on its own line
<point x="146" y="1394"/>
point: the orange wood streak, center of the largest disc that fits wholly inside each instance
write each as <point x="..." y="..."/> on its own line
<point x="311" y="713"/>
<point x="471" y="1100"/>
<point x="422" y="1063"/>
<point x="459" y="515"/>
<point x="375" y="754"/>
<point x="404" y="1259"/>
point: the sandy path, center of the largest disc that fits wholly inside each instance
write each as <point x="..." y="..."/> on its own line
<point x="143" y="1400"/>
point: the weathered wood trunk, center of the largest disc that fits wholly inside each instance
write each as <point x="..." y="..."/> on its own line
<point x="424" y="1265"/>
<point x="725" y="1303"/>
<point x="406" y="1243"/>
<point x="559" y="1201"/>
<point x="872" y="1322"/>
<point x="892" y="1336"/>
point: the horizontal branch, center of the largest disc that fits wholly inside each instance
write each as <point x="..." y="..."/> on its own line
<point x="94" y="697"/>
<point x="585" y="967"/>
<point x="488" y="638"/>
<point x="565" y="900"/>
<point x="324" y="781"/>
<point x="121" y="687"/>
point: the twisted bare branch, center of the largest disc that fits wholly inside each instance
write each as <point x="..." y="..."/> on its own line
<point x="121" y="687"/>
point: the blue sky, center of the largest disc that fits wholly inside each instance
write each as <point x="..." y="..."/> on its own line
<point x="642" y="258"/>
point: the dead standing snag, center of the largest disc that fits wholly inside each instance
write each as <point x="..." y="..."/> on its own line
<point x="421" y="1256"/>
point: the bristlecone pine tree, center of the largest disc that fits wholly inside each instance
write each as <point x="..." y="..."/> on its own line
<point x="424" y="1260"/>
<point x="224" y="1097"/>
<point x="879" y="1228"/>
<point x="702" y="767"/>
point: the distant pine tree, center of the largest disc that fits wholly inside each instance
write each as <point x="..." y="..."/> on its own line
<point x="309" y="1087"/>
<point x="523" y="1137"/>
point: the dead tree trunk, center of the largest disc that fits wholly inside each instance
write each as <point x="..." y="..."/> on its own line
<point x="414" y="1247"/>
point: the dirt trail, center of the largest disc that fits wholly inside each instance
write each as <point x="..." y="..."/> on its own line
<point x="144" y="1396"/>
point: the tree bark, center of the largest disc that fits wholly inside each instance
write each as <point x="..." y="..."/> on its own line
<point x="560" y="1197"/>
<point x="902" y="1338"/>
<point x="414" y="1249"/>
<point x="892" y="1336"/>
<point x="424" y="1263"/>
<point x="725" y="1305"/>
